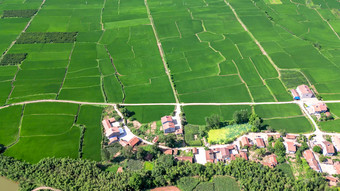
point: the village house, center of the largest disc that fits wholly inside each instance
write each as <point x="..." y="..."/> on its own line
<point x="328" y="148"/>
<point x="260" y="142"/>
<point x="290" y="136"/>
<point x="313" y="163"/>
<point x="270" y="161"/>
<point x="332" y="181"/>
<point x="242" y="154"/>
<point x="317" y="108"/>
<point x="222" y="154"/>
<point x="112" y="129"/>
<point x="168" y="124"/>
<point x="209" y="155"/>
<point x="290" y="147"/>
<point x="295" y="94"/>
<point x="304" y="91"/>
<point x="134" y="141"/>
<point x="245" y="142"/>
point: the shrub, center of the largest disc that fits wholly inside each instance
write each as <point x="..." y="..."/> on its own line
<point x="13" y="59"/>
<point x="187" y="183"/>
<point x="317" y="149"/>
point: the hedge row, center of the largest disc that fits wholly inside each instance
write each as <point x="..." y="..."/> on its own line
<point x="48" y="37"/>
<point x="13" y="59"/>
<point x="27" y="13"/>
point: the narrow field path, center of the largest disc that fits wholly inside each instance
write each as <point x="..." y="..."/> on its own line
<point x="161" y="51"/>
<point x="330" y="26"/>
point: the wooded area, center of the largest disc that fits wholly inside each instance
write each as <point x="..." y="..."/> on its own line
<point x="26" y="13"/>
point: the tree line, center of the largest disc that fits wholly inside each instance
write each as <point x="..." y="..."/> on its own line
<point x="26" y="13"/>
<point x="47" y="37"/>
<point x="78" y="174"/>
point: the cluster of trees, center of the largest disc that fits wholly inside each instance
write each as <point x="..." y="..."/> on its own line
<point x="239" y="117"/>
<point x="47" y="37"/>
<point x="26" y="13"/>
<point x="13" y="59"/>
<point x="78" y="174"/>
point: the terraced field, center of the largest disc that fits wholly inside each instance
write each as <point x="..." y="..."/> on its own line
<point x="158" y="51"/>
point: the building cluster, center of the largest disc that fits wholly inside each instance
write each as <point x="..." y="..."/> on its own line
<point x="224" y="154"/>
<point x="112" y="129"/>
<point x="169" y="125"/>
<point x="177" y="157"/>
<point x="314" y="106"/>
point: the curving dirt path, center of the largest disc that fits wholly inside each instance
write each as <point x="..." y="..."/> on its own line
<point x="45" y="188"/>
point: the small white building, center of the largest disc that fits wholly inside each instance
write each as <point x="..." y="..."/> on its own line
<point x="304" y="91"/>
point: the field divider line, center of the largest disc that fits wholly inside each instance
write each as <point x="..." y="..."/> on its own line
<point x="66" y="70"/>
<point x="239" y="75"/>
<point x="12" y="84"/>
<point x="23" y="31"/>
<point x="116" y="74"/>
<point x="330" y="26"/>
<point x="253" y="38"/>
<point x="19" y="127"/>
<point x="161" y="51"/>
<point x="263" y="81"/>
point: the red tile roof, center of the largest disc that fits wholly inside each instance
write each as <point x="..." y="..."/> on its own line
<point x="309" y="156"/>
<point x="245" y="141"/>
<point x="294" y="92"/>
<point x="291" y="146"/>
<point x="331" y="178"/>
<point x="179" y="131"/>
<point x="260" y="142"/>
<point x="329" y="147"/>
<point x="304" y="89"/>
<point x="133" y="141"/>
<point x="209" y="155"/>
<point x="222" y="153"/>
<point x="289" y="136"/>
<point x="169" y="125"/>
<point x="168" y="152"/>
<point x="166" y="119"/>
<point x="244" y="155"/>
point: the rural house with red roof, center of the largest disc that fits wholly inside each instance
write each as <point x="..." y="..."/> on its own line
<point x="168" y="124"/>
<point x="304" y="91"/>
<point x="313" y="163"/>
<point x="260" y="142"/>
<point x="328" y="148"/>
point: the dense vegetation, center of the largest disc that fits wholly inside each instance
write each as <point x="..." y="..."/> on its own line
<point x="77" y="174"/>
<point x="13" y="59"/>
<point x="26" y="13"/>
<point x="48" y="37"/>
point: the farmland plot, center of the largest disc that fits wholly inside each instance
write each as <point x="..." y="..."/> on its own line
<point x="206" y="45"/>
<point x="288" y="117"/>
<point x="46" y="130"/>
<point x="296" y="37"/>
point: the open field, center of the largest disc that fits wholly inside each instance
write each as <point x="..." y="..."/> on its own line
<point x="90" y="117"/>
<point x="196" y="114"/>
<point x="290" y="125"/>
<point x="9" y="124"/>
<point x="283" y="110"/>
<point x="32" y="149"/>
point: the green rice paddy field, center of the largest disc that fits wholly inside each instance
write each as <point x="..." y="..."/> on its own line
<point x="114" y="58"/>
<point x="51" y="129"/>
